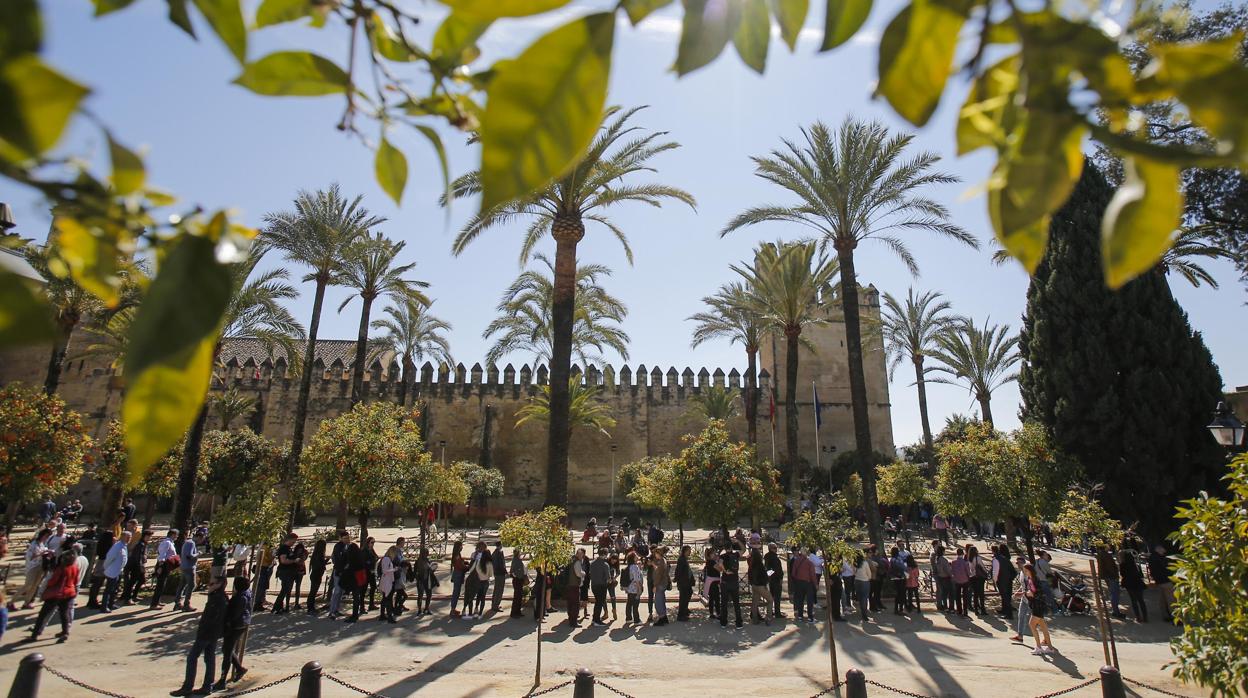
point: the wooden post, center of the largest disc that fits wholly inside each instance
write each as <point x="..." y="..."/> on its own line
<point x="541" y="615"/>
<point x="1109" y="624"/>
<point x="1101" y="621"/>
<point x="827" y="580"/>
<point x="26" y="683"/>
<point x="310" y="680"/>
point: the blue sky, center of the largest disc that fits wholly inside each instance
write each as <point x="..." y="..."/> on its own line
<point x="219" y="145"/>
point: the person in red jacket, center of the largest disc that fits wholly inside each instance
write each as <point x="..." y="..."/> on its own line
<point x="59" y="593"/>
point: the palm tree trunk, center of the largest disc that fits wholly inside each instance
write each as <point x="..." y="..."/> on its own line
<point x="408" y="367"/>
<point x="361" y="351"/>
<point x="186" y="475"/>
<point x="790" y="407"/>
<point x="922" y="385"/>
<point x="567" y="233"/>
<point x="985" y="407"/>
<point x="305" y="389"/>
<point x="751" y="393"/>
<point x="57" y="360"/>
<point x="858" y="392"/>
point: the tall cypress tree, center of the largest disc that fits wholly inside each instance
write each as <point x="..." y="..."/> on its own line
<point x="1118" y="378"/>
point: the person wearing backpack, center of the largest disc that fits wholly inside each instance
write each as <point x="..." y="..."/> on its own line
<point x="630" y="580"/>
<point x="897" y="575"/>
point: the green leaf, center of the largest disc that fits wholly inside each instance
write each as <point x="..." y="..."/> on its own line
<point x="1212" y="83"/>
<point x="753" y="34"/>
<point x="25" y="316"/>
<point x="180" y="16"/>
<point x="791" y="16"/>
<point x="103" y="7"/>
<point x="707" y="28"/>
<point x="843" y="19"/>
<point x="493" y="9"/>
<point x="391" y="168"/>
<point x="226" y="19"/>
<point x="21" y="28"/>
<point x="1032" y="179"/>
<point x="172" y="340"/>
<point x="916" y="56"/>
<point x="456" y="38"/>
<point x="387" y="42"/>
<point x="293" y="73"/>
<point x="128" y="173"/>
<point x="91" y="257"/>
<point x="436" y="141"/>
<point x="988" y="114"/>
<point x="279" y="11"/>
<point x="38" y="103"/>
<point x="638" y="10"/>
<point x="544" y="107"/>
<point x="1140" y="220"/>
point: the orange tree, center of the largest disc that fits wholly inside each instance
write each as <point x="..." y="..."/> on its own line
<point x="714" y="481"/>
<point x="42" y="446"/>
<point x="112" y="469"/>
<point x="233" y="461"/>
<point x="368" y="457"/>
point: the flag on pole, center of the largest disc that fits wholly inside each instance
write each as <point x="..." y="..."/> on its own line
<point x="818" y="408"/>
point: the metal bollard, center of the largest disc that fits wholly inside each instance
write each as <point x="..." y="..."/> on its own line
<point x="583" y="686"/>
<point x="1111" y="683"/>
<point x="26" y="683"/>
<point x="310" y="681"/>
<point x="855" y="684"/>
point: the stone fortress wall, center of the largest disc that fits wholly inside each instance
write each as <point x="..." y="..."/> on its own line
<point x="474" y="409"/>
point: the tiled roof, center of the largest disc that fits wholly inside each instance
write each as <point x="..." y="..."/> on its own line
<point x="327" y="351"/>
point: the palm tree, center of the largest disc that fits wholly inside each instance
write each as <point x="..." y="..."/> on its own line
<point x="316" y="234"/>
<point x="731" y="315"/>
<point x="562" y="208"/>
<point x="854" y="186"/>
<point x="369" y="269"/>
<point x="784" y="283"/>
<point x="979" y="358"/>
<point x="910" y="329"/>
<point x="715" y="402"/>
<point x="231" y="404"/>
<point x="255" y="311"/>
<point x="524" y="321"/>
<point x="413" y="335"/>
<point x="585" y="409"/>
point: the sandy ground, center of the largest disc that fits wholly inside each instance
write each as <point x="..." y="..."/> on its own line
<point x="140" y="652"/>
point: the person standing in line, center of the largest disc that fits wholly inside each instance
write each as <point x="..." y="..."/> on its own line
<point x="386" y="581"/>
<point x="128" y="509"/>
<point x="864" y="574"/>
<point x="519" y="580"/>
<point x="458" y="567"/>
<point x="877" y="582"/>
<point x="267" y="558"/>
<point x="338" y="561"/>
<point x="729" y="585"/>
<point x="1022" y="622"/>
<point x="942" y="528"/>
<point x="711" y="581"/>
<point x="1003" y="574"/>
<point x="354" y="580"/>
<point x="316" y="573"/>
<point x="211" y="628"/>
<point x="817" y="560"/>
<point x="81" y="562"/>
<point x="1159" y="570"/>
<point x="684" y="583"/>
<point x="541" y="594"/>
<point x="662" y="581"/>
<point x="912" y="585"/>
<point x="58" y="595"/>
<point x="1046" y="579"/>
<point x="166" y="560"/>
<point x="760" y="590"/>
<point x="979" y="578"/>
<point x="237" y="622"/>
<point x="1107" y="571"/>
<point x="300" y="555"/>
<point x="802" y="577"/>
<point x="571" y="579"/>
<point x="471" y="582"/>
<point x="630" y="579"/>
<point x="371" y="560"/>
<point x="186" y="567"/>
<point x="57" y="540"/>
<point x="961" y="575"/>
<point x="499" y="564"/>
<point x="613" y="559"/>
<point x="114" y="566"/>
<point x="47" y="510"/>
<point x="34" y="566"/>
<point x="1133" y="582"/>
<point x="287" y="566"/>
<point x="1039" y="609"/>
<point x="775" y="581"/>
<point x="425" y="581"/>
<point x="136" y="569"/>
<point x="897" y="575"/>
<point x="847" y="583"/>
<point x="484" y="571"/>
<point x="599" y="578"/>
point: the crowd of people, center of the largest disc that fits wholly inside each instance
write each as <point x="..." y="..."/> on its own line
<point x="348" y="579"/>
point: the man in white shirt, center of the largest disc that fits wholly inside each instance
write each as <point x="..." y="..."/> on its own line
<point x="57" y="539"/>
<point x="114" y="565"/>
<point x="83" y="564"/>
<point x="164" y="551"/>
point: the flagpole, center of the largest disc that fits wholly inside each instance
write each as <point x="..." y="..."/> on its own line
<point x="814" y="391"/>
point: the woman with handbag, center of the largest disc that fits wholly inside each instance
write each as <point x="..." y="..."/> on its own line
<point x="388" y="567"/>
<point x="1039" y="609"/>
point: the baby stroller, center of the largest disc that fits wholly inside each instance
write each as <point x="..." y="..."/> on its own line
<point x="1074" y="591"/>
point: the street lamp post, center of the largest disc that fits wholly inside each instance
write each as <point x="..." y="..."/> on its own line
<point x="613" y="447"/>
<point x="1226" y="427"/>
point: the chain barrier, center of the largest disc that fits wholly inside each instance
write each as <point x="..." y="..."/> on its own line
<point x="80" y="684"/>
<point x="270" y="684"/>
<point x="357" y="689"/>
<point x="544" y="691"/>
<point x="897" y="690"/>
<point x="613" y="689"/>
<point x="1072" y="689"/>
<point x="829" y="689"/>
<point x="1162" y="691"/>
